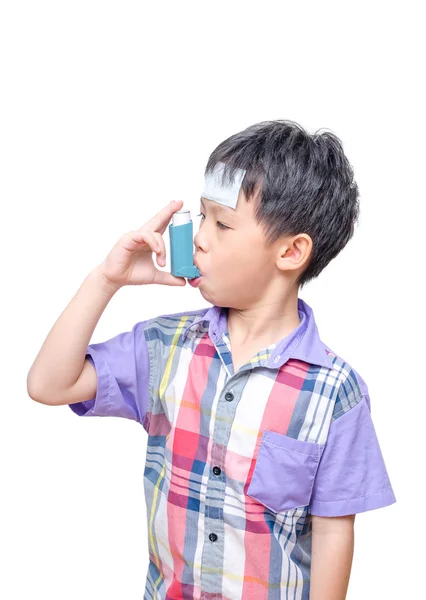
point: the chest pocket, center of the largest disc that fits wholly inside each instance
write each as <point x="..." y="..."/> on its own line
<point x="284" y="472"/>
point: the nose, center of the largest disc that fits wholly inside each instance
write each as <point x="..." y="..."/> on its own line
<point x="197" y="240"/>
<point x="200" y="239"/>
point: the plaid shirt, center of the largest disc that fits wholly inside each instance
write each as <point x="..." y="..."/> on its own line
<point x="237" y="463"/>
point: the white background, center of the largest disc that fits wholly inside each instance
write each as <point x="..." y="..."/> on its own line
<point x="109" y="110"/>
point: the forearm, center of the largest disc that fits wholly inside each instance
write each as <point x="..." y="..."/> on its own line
<point x="332" y="553"/>
<point x="60" y="360"/>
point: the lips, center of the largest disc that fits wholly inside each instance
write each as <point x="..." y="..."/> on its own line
<point x="194" y="282"/>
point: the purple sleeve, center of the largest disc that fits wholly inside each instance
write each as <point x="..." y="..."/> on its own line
<point x="351" y="476"/>
<point x="122" y="368"/>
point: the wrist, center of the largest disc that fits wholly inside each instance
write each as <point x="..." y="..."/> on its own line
<point x="107" y="286"/>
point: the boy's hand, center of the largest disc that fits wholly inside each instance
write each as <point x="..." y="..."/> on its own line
<point x="130" y="261"/>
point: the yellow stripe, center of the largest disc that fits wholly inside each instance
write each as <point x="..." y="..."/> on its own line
<point x="163" y="386"/>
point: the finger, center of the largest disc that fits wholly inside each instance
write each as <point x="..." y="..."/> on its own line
<point x="165" y="278"/>
<point x="160" y="221"/>
<point x="161" y="254"/>
<point x="135" y="239"/>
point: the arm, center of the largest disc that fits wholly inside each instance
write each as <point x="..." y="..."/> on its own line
<point x="332" y="553"/>
<point x="61" y="374"/>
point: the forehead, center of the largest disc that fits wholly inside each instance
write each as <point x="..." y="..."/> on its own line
<point x="214" y="204"/>
<point x="217" y="190"/>
<point x="217" y="206"/>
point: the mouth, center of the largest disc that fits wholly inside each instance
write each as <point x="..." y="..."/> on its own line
<point x="195" y="282"/>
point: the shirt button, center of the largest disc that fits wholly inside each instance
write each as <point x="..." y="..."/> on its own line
<point x="217" y="470"/>
<point x="229" y="396"/>
<point x="212" y="537"/>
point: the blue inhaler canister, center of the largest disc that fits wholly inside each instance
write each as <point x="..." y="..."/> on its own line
<point x="182" y="245"/>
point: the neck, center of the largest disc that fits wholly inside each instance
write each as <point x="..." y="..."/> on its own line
<point x="266" y="322"/>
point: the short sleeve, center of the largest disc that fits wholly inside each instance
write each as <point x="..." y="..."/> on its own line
<point x="122" y="368"/>
<point x="351" y="476"/>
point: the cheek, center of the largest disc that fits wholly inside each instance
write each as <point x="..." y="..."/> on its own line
<point x="240" y="257"/>
<point x="249" y="256"/>
<point x="242" y="263"/>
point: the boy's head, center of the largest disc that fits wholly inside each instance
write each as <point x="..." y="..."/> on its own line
<point x="296" y="210"/>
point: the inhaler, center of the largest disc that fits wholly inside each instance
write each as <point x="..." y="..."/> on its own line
<point x="182" y="245"/>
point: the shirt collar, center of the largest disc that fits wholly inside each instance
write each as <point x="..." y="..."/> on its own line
<point x="302" y="343"/>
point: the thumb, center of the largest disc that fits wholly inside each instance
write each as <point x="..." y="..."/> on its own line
<point x="165" y="278"/>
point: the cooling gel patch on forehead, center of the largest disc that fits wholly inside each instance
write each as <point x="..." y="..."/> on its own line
<point x="226" y="193"/>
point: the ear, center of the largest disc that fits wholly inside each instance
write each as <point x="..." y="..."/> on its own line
<point x="295" y="252"/>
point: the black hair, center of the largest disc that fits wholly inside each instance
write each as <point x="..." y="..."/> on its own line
<point x="303" y="184"/>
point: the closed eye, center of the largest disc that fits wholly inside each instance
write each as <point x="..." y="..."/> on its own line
<point x="219" y="224"/>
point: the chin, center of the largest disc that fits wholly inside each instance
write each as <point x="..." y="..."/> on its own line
<point x="216" y="299"/>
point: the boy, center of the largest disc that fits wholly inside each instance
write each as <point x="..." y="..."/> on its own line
<point x="261" y="447"/>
